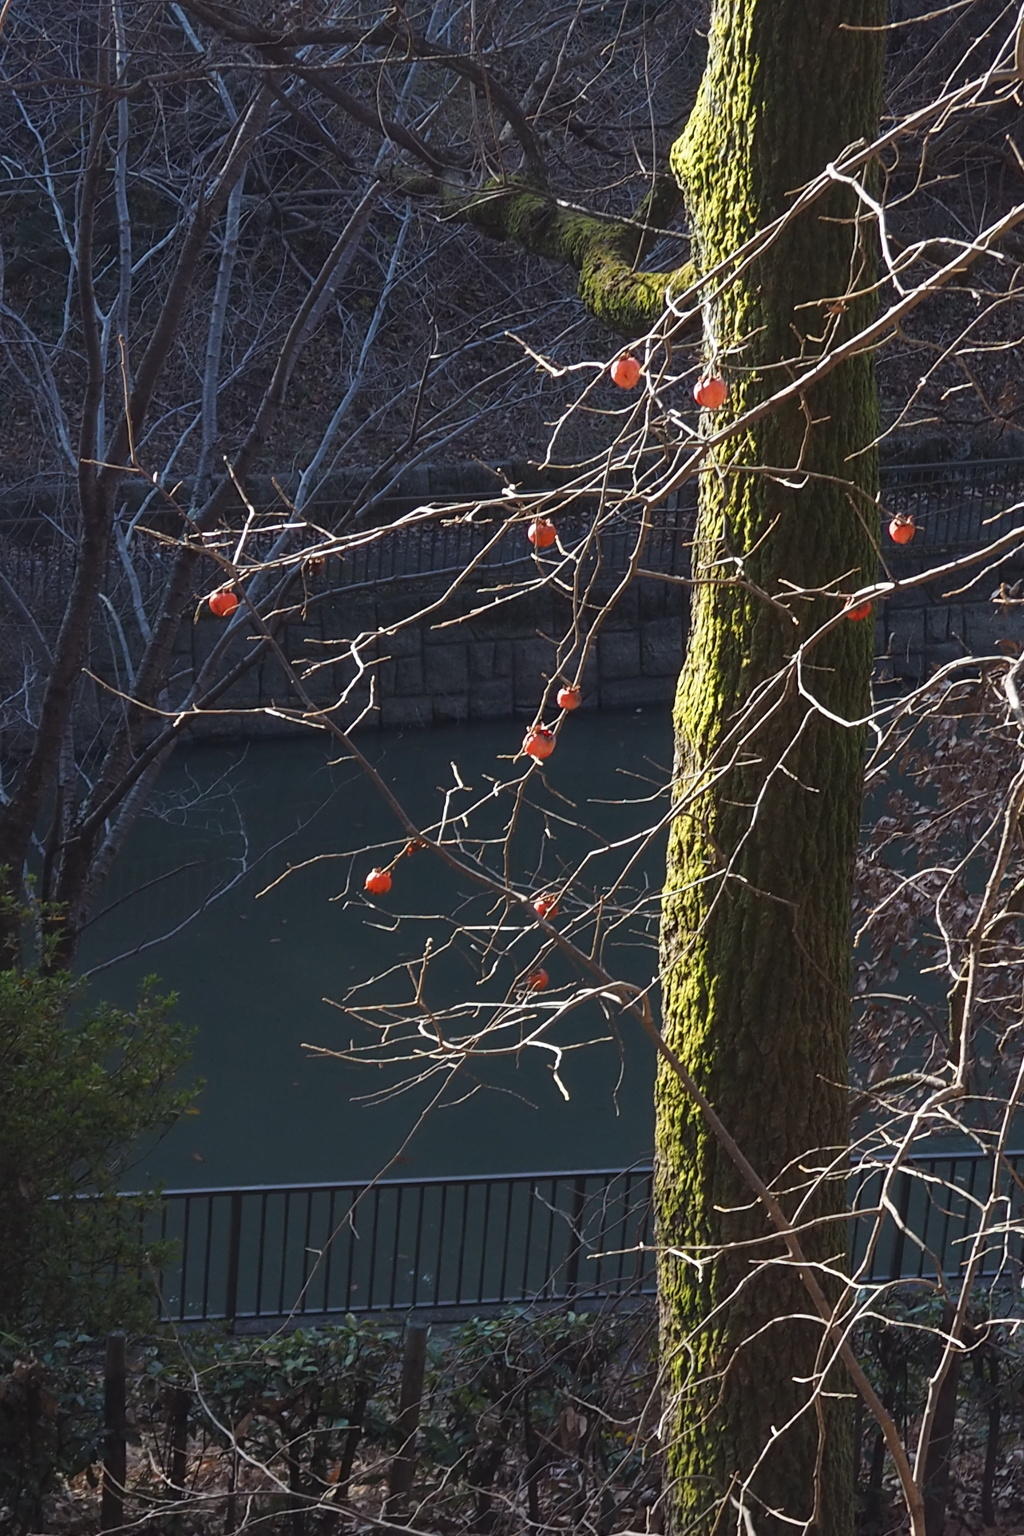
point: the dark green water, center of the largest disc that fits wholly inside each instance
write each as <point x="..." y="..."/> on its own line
<point x="252" y="972"/>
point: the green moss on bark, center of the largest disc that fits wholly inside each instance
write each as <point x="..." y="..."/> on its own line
<point x="757" y="902"/>
<point x="604" y="252"/>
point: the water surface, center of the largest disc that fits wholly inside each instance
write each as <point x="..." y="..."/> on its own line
<point x="253" y="972"/>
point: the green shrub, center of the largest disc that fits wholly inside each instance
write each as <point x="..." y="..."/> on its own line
<point x="76" y="1098"/>
<point x="51" y="1422"/>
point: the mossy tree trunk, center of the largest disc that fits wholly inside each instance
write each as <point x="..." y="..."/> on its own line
<point x="756" y="949"/>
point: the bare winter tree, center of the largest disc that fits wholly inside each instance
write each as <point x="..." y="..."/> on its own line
<point x="194" y="241"/>
<point x="821" y="235"/>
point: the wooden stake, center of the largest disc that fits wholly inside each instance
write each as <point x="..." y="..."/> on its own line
<point x="403" y="1467"/>
<point x="115" y="1455"/>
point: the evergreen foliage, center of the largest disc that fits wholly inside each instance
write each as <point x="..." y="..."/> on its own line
<point x="78" y="1092"/>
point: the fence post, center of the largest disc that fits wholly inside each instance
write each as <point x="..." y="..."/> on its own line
<point x="903" y="1207"/>
<point x="403" y="1466"/>
<point x="572" y="1258"/>
<point x="234" y="1257"/>
<point x="935" y="1484"/>
<point x="115" y="1454"/>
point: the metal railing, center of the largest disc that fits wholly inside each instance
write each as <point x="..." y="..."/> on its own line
<point x="477" y="1241"/>
<point x="437" y="547"/>
<point x="483" y="1241"/>
<point x="956" y="506"/>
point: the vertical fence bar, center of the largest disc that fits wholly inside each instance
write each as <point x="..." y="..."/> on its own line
<point x="261" y="1253"/>
<point x="415" y="1288"/>
<point x="510" y="1188"/>
<point x="302" y="1298"/>
<point x="207" y="1251"/>
<point x="483" y="1241"/>
<point x="373" y="1247"/>
<point x="162" y="1309"/>
<point x="283" y="1267"/>
<point x="186" y="1234"/>
<point x="327" y="1253"/>
<point x="234" y="1258"/>
<point x="462" y="1242"/>
<point x="548" y="1283"/>
<point x="531" y="1200"/>
<point x="572" y="1257"/>
<point x="441" y="1220"/>
<point x="902" y="1207"/>
<point x="604" y="1194"/>
<point x="352" y="1240"/>
<point x="395" y="1245"/>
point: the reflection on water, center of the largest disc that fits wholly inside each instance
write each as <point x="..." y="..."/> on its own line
<point x="253" y="973"/>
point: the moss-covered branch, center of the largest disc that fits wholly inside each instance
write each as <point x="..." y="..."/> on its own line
<point x="605" y="252"/>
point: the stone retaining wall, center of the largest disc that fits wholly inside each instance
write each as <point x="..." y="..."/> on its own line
<point x="922" y="629"/>
<point x="456" y="665"/>
<point x="463" y="664"/>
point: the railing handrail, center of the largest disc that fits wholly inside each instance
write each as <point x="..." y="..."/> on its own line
<point x="415" y="1183"/>
<point x="885" y="470"/>
<point x="972" y="1154"/>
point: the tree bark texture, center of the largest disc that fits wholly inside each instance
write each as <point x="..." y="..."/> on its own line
<point x="756" y="946"/>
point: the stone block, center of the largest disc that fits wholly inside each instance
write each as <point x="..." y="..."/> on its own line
<point x="937" y="625"/>
<point x="503" y="658"/>
<point x="492" y="701"/>
<point x="324" y="687"/>
<point x="300" y="645"/>
<point x="400" y="712"/>
<point x="981" y="626"/>
<point x="509" y="622"/>
<point x="906" y="626"/>
<point x="386" y="680"/>
<point x="481" y="661"/>
<point x="404" y="642"/>
<point x="450" y="708"/>
<point x="393" y="608"/>
<point x="344" y="618"/>
<point x="652" y="599"/>
<point x="533" y="663"/>
<point x="625" y="614"/>
<point x="630" y="693"/>
<point x="661" y="647"/>
<point x="445" y="669"/>
<point x="244" y="693"/>
<point x="618" y="656"/>
<point x="409" y="676"/>
<point x="206" y="636"/>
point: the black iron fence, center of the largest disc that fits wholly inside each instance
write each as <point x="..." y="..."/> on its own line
<point x="397" y="1244"/>
<point x="484" y="1241"/>
<point x="956" y="506"/>
<point x="491" y="545"/>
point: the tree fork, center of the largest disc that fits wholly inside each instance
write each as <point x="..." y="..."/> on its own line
<point x="756" y="918"/>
